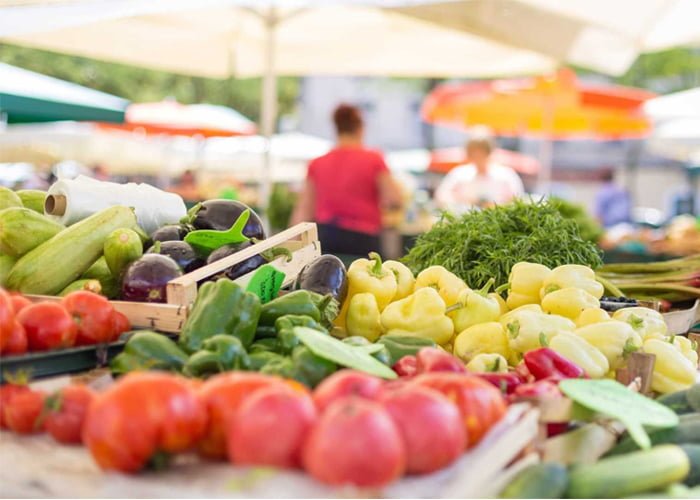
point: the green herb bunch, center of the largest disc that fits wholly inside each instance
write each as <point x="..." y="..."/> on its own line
<point x="484" y="244"/>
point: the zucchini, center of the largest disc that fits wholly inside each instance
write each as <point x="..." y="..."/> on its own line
<point x="100" y="272"/>
<point x="93" y="286"/>
<point x="122" y="247"/>
<point x="686" y="401"/>
<point x="33" y="199"/>
<point x="6" y="263"/>
<point x="54" y="264"/>
<point x="626" y="475"/>
<point x="693" y="397"/>
<point x="693" y="452"/>
<point x="22" y="230"/>
<point x="687" y="431"/>
<point x="8" y="198"/>
<point x="538" y="481"/>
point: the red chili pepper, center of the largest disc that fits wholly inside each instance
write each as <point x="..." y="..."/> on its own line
<point x="541" y="388"/>
<point x="545" y="363"/>
<point x="406" y="366"/>
<point x="432" y="359"/>
<point x="506" y="382"/>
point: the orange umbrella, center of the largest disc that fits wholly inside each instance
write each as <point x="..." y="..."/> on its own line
<point x="445" y="159"/>
<point x="555" y="107"/>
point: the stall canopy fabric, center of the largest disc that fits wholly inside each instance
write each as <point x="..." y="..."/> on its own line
<point x="603" y="35"/>
<point x="27" y="97"/>
<point x="677" y="125"/>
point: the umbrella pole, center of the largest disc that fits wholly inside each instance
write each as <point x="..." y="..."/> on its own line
<point x="268" y="111"/>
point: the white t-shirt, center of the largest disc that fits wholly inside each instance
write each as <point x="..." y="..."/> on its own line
<point x="463" y="188"/>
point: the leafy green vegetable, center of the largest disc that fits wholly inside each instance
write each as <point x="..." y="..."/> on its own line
<point x="588" y="227"/>
<point x="484" y="244"/>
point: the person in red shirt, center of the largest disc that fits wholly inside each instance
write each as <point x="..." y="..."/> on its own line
<point x="346" y="190"/>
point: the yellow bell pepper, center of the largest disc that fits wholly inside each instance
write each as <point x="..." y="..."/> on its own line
<point x="507" y="317"/>
<point x="527" y="330"/>
<point x="614" y="339"/>
<point x="672" y="371"/>
<point x="419" y="315"/>
<point x="476" y="307"/>
<point x="405" y="281"/>
<point x="572" y="275"/>
<point x="686" y="346"/>
<point x="646" y="322"/>
<point x="591" y="316"/>
<point x="524" y="283"/>
<point x="568" y="302"/>
<point x="577" y="350"/>
<point x="363" y="317"/>
<point x="447" y="284"/>
<point x="368" y="275"/>
<point x="484" y="338"/>
<point x="485" y="363"/>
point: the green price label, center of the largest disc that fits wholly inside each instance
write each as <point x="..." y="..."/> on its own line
<point x="266" y="283"/>
<point x="206" y="240"/>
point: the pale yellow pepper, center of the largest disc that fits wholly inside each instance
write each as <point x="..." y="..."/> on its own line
<point x="524" y="283"/>
<point x="405" y="282"/>
<point x="672" y="370"/>
<point x="646" y="322"/>
<point x="421" y="314"/>
<point x="507" y="317"/>
<point x="502" y="306"/>
<point x="485" y="363"/>
<point x="447" y="284"/>
<point x="687" y="347"/>
<point x="591" y="316"/>
<point x="614" y="339"/>
<point x="363" y="317"/>
<point x="572" y="275"/>
<point x="577" y="350"/>
<point x="477" y="306"/>
<point x="568" y="302"/>
<point x="484" y="338"/>
<point x="528" y="330"/>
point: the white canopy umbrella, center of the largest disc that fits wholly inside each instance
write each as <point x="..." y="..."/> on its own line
<point x="677" y="125"/>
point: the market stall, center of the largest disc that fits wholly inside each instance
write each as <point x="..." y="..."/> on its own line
<point x="176" y="352"/>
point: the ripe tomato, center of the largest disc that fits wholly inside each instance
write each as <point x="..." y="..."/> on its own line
<point x="23" y="410"/>
<point x="270" y="427"/>
<point x="92" y="314"/>
<point x="355" y="442"/>
<point x="7" y="392"/>
<point x="222" y="395"/>
<point x="19" y="302"/>
<point x="120" y="324"/>
<point x="66" y="413"/>
<point x="17" y="341"/>
<point x="7" y="318"/>
<point x="48" y="326"/>
<point x="143" y="413"/>
<point x="346" y="383"/>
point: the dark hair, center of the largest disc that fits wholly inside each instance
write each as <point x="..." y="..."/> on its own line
<point x="347" y="119"/>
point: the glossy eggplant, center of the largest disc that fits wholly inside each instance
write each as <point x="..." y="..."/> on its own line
<point x="237" y="270"/>
<point x="145" y="279"/>
<point x="220" y="215"/>
<point x="182" y="253"/>
<point x="325" y="275"/>
<point x="171" y="232"/>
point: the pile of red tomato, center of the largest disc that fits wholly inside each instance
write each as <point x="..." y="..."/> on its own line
<point x="80" y="318"/>
<point x="353" y="428"/>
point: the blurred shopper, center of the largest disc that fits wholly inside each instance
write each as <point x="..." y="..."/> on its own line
<point x="481" y="183"/>
<point x="187" y="187"/>
<point x="99" y="173"/>
<point x="612" y="203"/>
<point x="346" y="190"/>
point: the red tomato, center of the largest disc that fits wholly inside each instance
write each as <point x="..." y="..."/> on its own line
<point x="7" y="318"/>
<point x="432" y="359"/>
<point x="23" y="410"/>
<point x="120" y="324"/>
<point x="48" y="326"/>
<point x="222" y="395"/>
<point x="430" y="425"/>
<point x="480" y="403"/>
<point x="7" y="392"/>
<point x="355" y="441"/>
<point x="346" y="383"/>
<point x="17" y="341"/>
<point x="66" y="413"/>
<point x="92" y="314"/>
<point x="142" y="414"/>
<point x="270" y="427"/>
<point x="19" y="302"/>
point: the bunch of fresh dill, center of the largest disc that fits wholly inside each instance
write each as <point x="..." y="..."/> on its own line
<point x="484" y="244"/>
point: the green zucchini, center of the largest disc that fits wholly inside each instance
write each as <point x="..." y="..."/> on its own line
<point x="8" y="198"/>
<point x="693" y="452"/>
<point x="100" y="272"/>
<point x="83" y="285"/>
<point x="22" y="230"/>
<point x="6" y="263"/>
<point x="538" y="481"/>
<point x="122" y="247"/>
<point x="54" y="264"/>
<point x="687" y="431"/>
<point x="693" y="397"/>
<point x="686" y="401"/>
<point x="33" y="199"/>
<point x="629" y="474"/>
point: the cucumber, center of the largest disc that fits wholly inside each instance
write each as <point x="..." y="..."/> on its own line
<point x="538" y="481"/>
<point x="100" y="272"/>
<point x="54" y="264"/>
<point x="121" y="248"/>
<point x="93" y="286"/>
<point x="629" y="474"/>
<point x="693" y="397"/>
<point x="677" y="401"/>
<point x="22" y="230"/>
<point x="8" y="198"/>
<point x="687" y="431"/>
<point x="6" y="263"/>
<point x="33" y="199"/>
<point x="693" y="452"/>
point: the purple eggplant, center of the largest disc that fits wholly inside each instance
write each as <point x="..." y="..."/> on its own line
<point x="220" y="215"/>
<point x="182" y="253"/>
<point x="325" y="275"/>
<point x="145" y="279"/>
<point x="171" y="232"/>
<point x="237" y="270"/>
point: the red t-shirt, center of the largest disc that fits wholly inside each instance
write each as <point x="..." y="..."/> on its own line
<point x="347" y="188"/>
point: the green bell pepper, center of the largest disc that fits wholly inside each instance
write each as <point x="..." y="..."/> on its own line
<point x="284" y="327"/>
<point x="383" y="355"/>
<point x="259" y="359"/>
<point x="222" y="307"/>
<point x="265" y="345"/>
<point x="279" y="366"/>
<point x="219" y="353"/>
<point x="403" y="345"/>
<point x="310" y="369"/>
<point x="321" y="308"/>
<point x="148" y="350"/>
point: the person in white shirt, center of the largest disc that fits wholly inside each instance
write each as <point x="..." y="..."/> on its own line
<point x="481" y="183"/>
